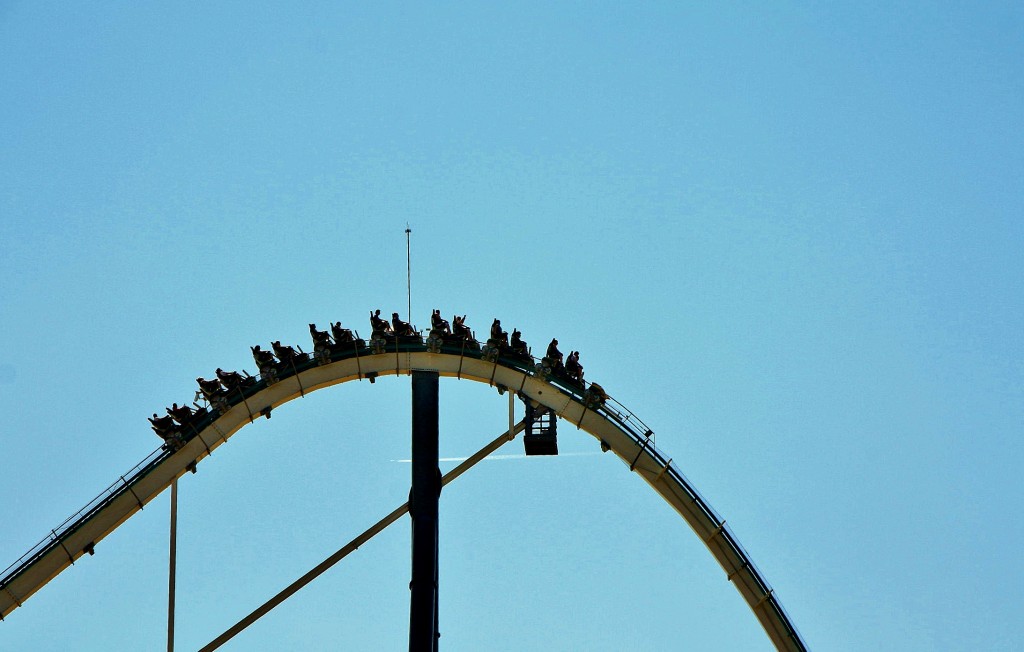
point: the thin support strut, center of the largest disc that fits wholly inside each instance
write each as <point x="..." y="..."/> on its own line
<point x="511" y="412"/>
<point x="61" y="542"/>
<point x="462" y="356"/>
<point x="245" y="402"/>
<point x="302" y="390"/>
<point x="134" y="495"/>
<point x="359" y="365"/>
<point x="715" y="532"/>
<point x="764" y="598"/>
<point x="172" y="566"/>
<point x="737" y="571"/>
<point x="15" y="598"/>
<point x="663" y="470"/>
<point x="640" y="452"/>
<point x="352" y="545"/>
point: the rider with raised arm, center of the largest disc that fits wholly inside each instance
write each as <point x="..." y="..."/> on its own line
<point x="460" y="328"/>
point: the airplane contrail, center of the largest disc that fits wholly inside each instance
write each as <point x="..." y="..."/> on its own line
<point x="502" y="457"/>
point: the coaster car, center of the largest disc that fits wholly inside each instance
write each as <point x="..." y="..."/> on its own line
<point x="211" y="389"/>
<point x="214" y="393"/>
<point x="517" y="348"/>
<point x="184" y="415"/>
<point x="560" y="372"/>
<point x="443" y="335"/>
<point x="402" y="328"/>
<point x="163" y="426"/>
<point x="321" y="344"/>
<point x="570" y="373"/>
<point x="345" y="339"/>
<point x="232" y="380"/>
<point x="573" y="368"/>
<point x="286" y="354"/>
<point x="439" y="323"/>
<point x="384" y="333"/>
<point x="266" y="363"/>
<point x="167" y="431"/>
<point x="339" y="340"/>
<point x="497" y="343"/>
<point x="459" y="328"/>
<point x="438" y="338"/>
<point x="595" y="396"/>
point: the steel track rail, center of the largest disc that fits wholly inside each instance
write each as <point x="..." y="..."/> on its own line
<point x="614" y="426"/>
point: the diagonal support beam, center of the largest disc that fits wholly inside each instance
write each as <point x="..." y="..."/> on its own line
<point x="354" y="544"/>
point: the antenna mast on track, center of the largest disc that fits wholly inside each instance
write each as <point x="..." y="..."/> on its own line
<point x="408" y="271"/>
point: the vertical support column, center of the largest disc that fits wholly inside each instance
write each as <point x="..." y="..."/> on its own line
<point x="172" y="565"/>
<point x="423" y="500"/>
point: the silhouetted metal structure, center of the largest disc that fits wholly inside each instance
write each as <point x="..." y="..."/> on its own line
<point x="194" y="434"/>
<point x="423" y="503"/>
<point x="541" y="436"/>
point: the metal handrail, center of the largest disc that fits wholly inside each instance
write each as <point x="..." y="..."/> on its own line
<point x="51" y="540"/>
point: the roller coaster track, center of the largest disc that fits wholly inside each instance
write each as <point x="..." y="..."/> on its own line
<point x="618" y="430"/>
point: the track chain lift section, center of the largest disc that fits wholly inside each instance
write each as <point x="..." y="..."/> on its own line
<point x="541" y="436"/>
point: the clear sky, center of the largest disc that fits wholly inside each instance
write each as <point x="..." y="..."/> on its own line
<point x="786" y="235"/>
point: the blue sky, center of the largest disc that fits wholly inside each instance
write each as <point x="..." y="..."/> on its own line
<point x="786" y="235"/>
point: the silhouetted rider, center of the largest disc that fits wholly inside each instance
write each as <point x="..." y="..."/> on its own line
<point x="553" y="353"/>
